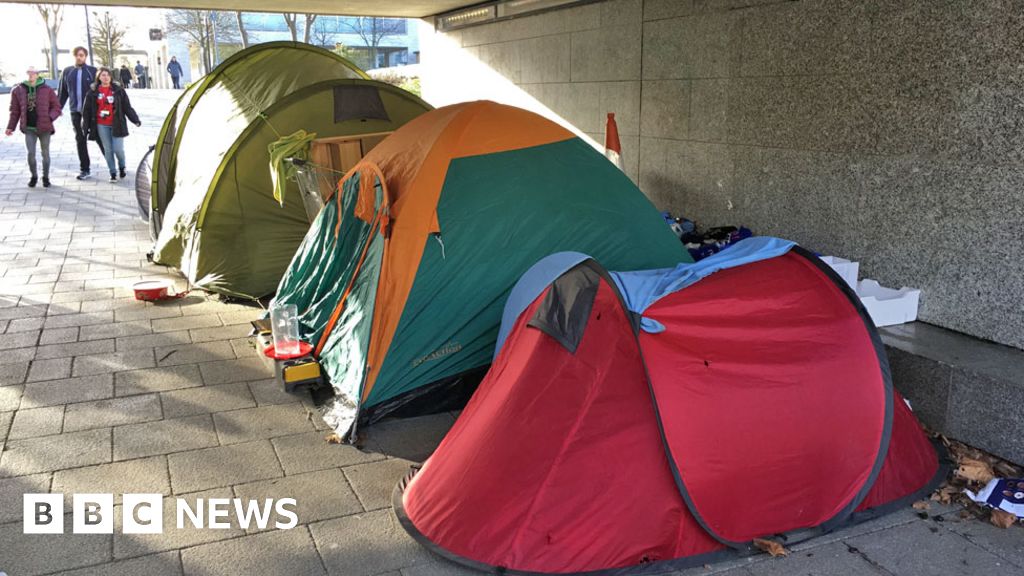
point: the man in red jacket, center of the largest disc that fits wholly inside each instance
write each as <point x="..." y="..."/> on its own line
<point x="34" y="107"/>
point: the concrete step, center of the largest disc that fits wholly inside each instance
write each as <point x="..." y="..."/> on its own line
<point x="968" y="389"/>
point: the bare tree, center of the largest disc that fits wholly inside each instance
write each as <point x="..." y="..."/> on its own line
<point x="241" y="29"/>
<point x="107" y="38"/>
<point x="53" y="17"/>
<point x="291" y="19"/>
<point x="372" y="30"/>
<point x="322" y="35"/>
<point x="203" y="28"/>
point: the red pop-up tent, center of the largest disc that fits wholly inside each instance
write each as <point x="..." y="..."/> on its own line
<point x="646" y="421"/>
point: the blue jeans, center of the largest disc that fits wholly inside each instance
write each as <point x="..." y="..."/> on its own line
<point x="111" y="146"/>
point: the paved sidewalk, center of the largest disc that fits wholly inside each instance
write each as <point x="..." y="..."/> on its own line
<point x="101" y="393"/>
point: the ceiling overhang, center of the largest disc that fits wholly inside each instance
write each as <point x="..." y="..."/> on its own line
<point x="396" y="8"/>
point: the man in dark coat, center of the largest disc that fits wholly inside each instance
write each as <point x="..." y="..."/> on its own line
<point x="34" y="107"/>
<point x="126" y="76"/>
<point x="74" y="84"/>
<point x="174" y="69"/>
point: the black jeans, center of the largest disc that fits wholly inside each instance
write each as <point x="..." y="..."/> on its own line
<point x="174" y="80"/>
<point x="81" y="141"/>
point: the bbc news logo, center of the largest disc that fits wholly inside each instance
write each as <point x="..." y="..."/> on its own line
<point x="144" y="513"/>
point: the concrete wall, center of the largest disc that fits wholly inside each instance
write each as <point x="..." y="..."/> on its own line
<point x="888" y="131"/>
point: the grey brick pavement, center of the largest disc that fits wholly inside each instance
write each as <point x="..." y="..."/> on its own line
<point x="99" y="392"/>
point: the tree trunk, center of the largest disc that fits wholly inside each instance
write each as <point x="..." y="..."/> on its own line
<point x="241" y="29"/>
<point x="290" y="20"/>
<point x="310" y="18"/>
<point x="54" y="72"/>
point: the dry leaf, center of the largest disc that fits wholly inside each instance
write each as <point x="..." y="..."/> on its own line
<point x="333" y="438"/>
<point x="771" y="546"/>
<point x="1002" y="518"/>
<point x="975" y="471"/>
<point x="921" y="505"/>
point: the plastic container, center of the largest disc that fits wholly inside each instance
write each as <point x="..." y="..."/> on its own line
<point x="284" y="325"/>
<point x="152" y="290"/>
<point x="888" y="306"/>
<point x="846" y="269"/>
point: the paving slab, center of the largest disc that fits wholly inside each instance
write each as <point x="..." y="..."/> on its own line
<point x="261" y="422"/>
<point x="156" y="380"/>
<point x="35" y="554"/>
<point x="37" y="422"/>
<point x="112" y="412"/>
<point x="167" y="563"/>
<point x="223" y="466"/>
<point x="59" y="335"/>
<point x="13" y="489"/>
<point x="20" y="340"/>
<point x="49" y="453"/>
<point x="163" y="437"/>
<point x="270" y="391"/>
<point x="5" y="425"/>
<point x="835" y="559"/>
<point x="234" y="370"/>
<point x="439" y="567"/>
<point x="193" y="353"/>
<point x="319" y="495"/>
<point x="10" y="397"/>
<point x="367" y="544"/>
<point x="113" y="362"/>
<point x="922" y="550"/>
<point x="115" y="330"/>
<point x="13" y="373"/>
<point x="185" y="323"/>
<point x="74" y="348"/>
<point x="309" y="451"/>
<point x="161" y="340"/>
<point x="67" y="390"/>
<point x="53" y="369"/>
<point x="289" y="552"/>
<point x="1007" y="544"/>
<point x="142" y="476"/>
<point x="374" y="482"/>
<point x="206" y="399"/>
<point x="220" y="333"/>
<point x="174" y="538"/>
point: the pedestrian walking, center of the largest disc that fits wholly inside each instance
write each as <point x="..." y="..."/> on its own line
<point x="74" y="84"/>
<point x="140" y="74"/>
<point x="126" y="76"/>
<point x="34" y="107"/>
<point x="107" y="112"/>
<point x="174" y="69"/>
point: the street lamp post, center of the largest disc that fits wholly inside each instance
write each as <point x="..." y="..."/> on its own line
<point x="88" y="35"/>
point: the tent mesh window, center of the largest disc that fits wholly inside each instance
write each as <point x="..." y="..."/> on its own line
<point x="358" y="103"/>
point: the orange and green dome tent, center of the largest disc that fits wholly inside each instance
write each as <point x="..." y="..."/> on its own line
<point x="401" y="280"/>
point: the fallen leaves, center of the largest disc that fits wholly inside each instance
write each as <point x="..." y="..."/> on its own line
<point x="1002" y="518"/>
<point x="974" y="470"/>
<point x="771" y="547"/>
<point x="921" y="505"/>
<point x="333" y="438"/>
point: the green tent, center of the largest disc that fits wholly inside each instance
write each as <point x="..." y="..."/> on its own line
<point x="402" y="278"/>
<point x="213" y="204"/>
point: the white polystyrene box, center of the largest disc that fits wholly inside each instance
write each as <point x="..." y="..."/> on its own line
<point x="888" y="306"/>
<point x="846" y="269"/>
